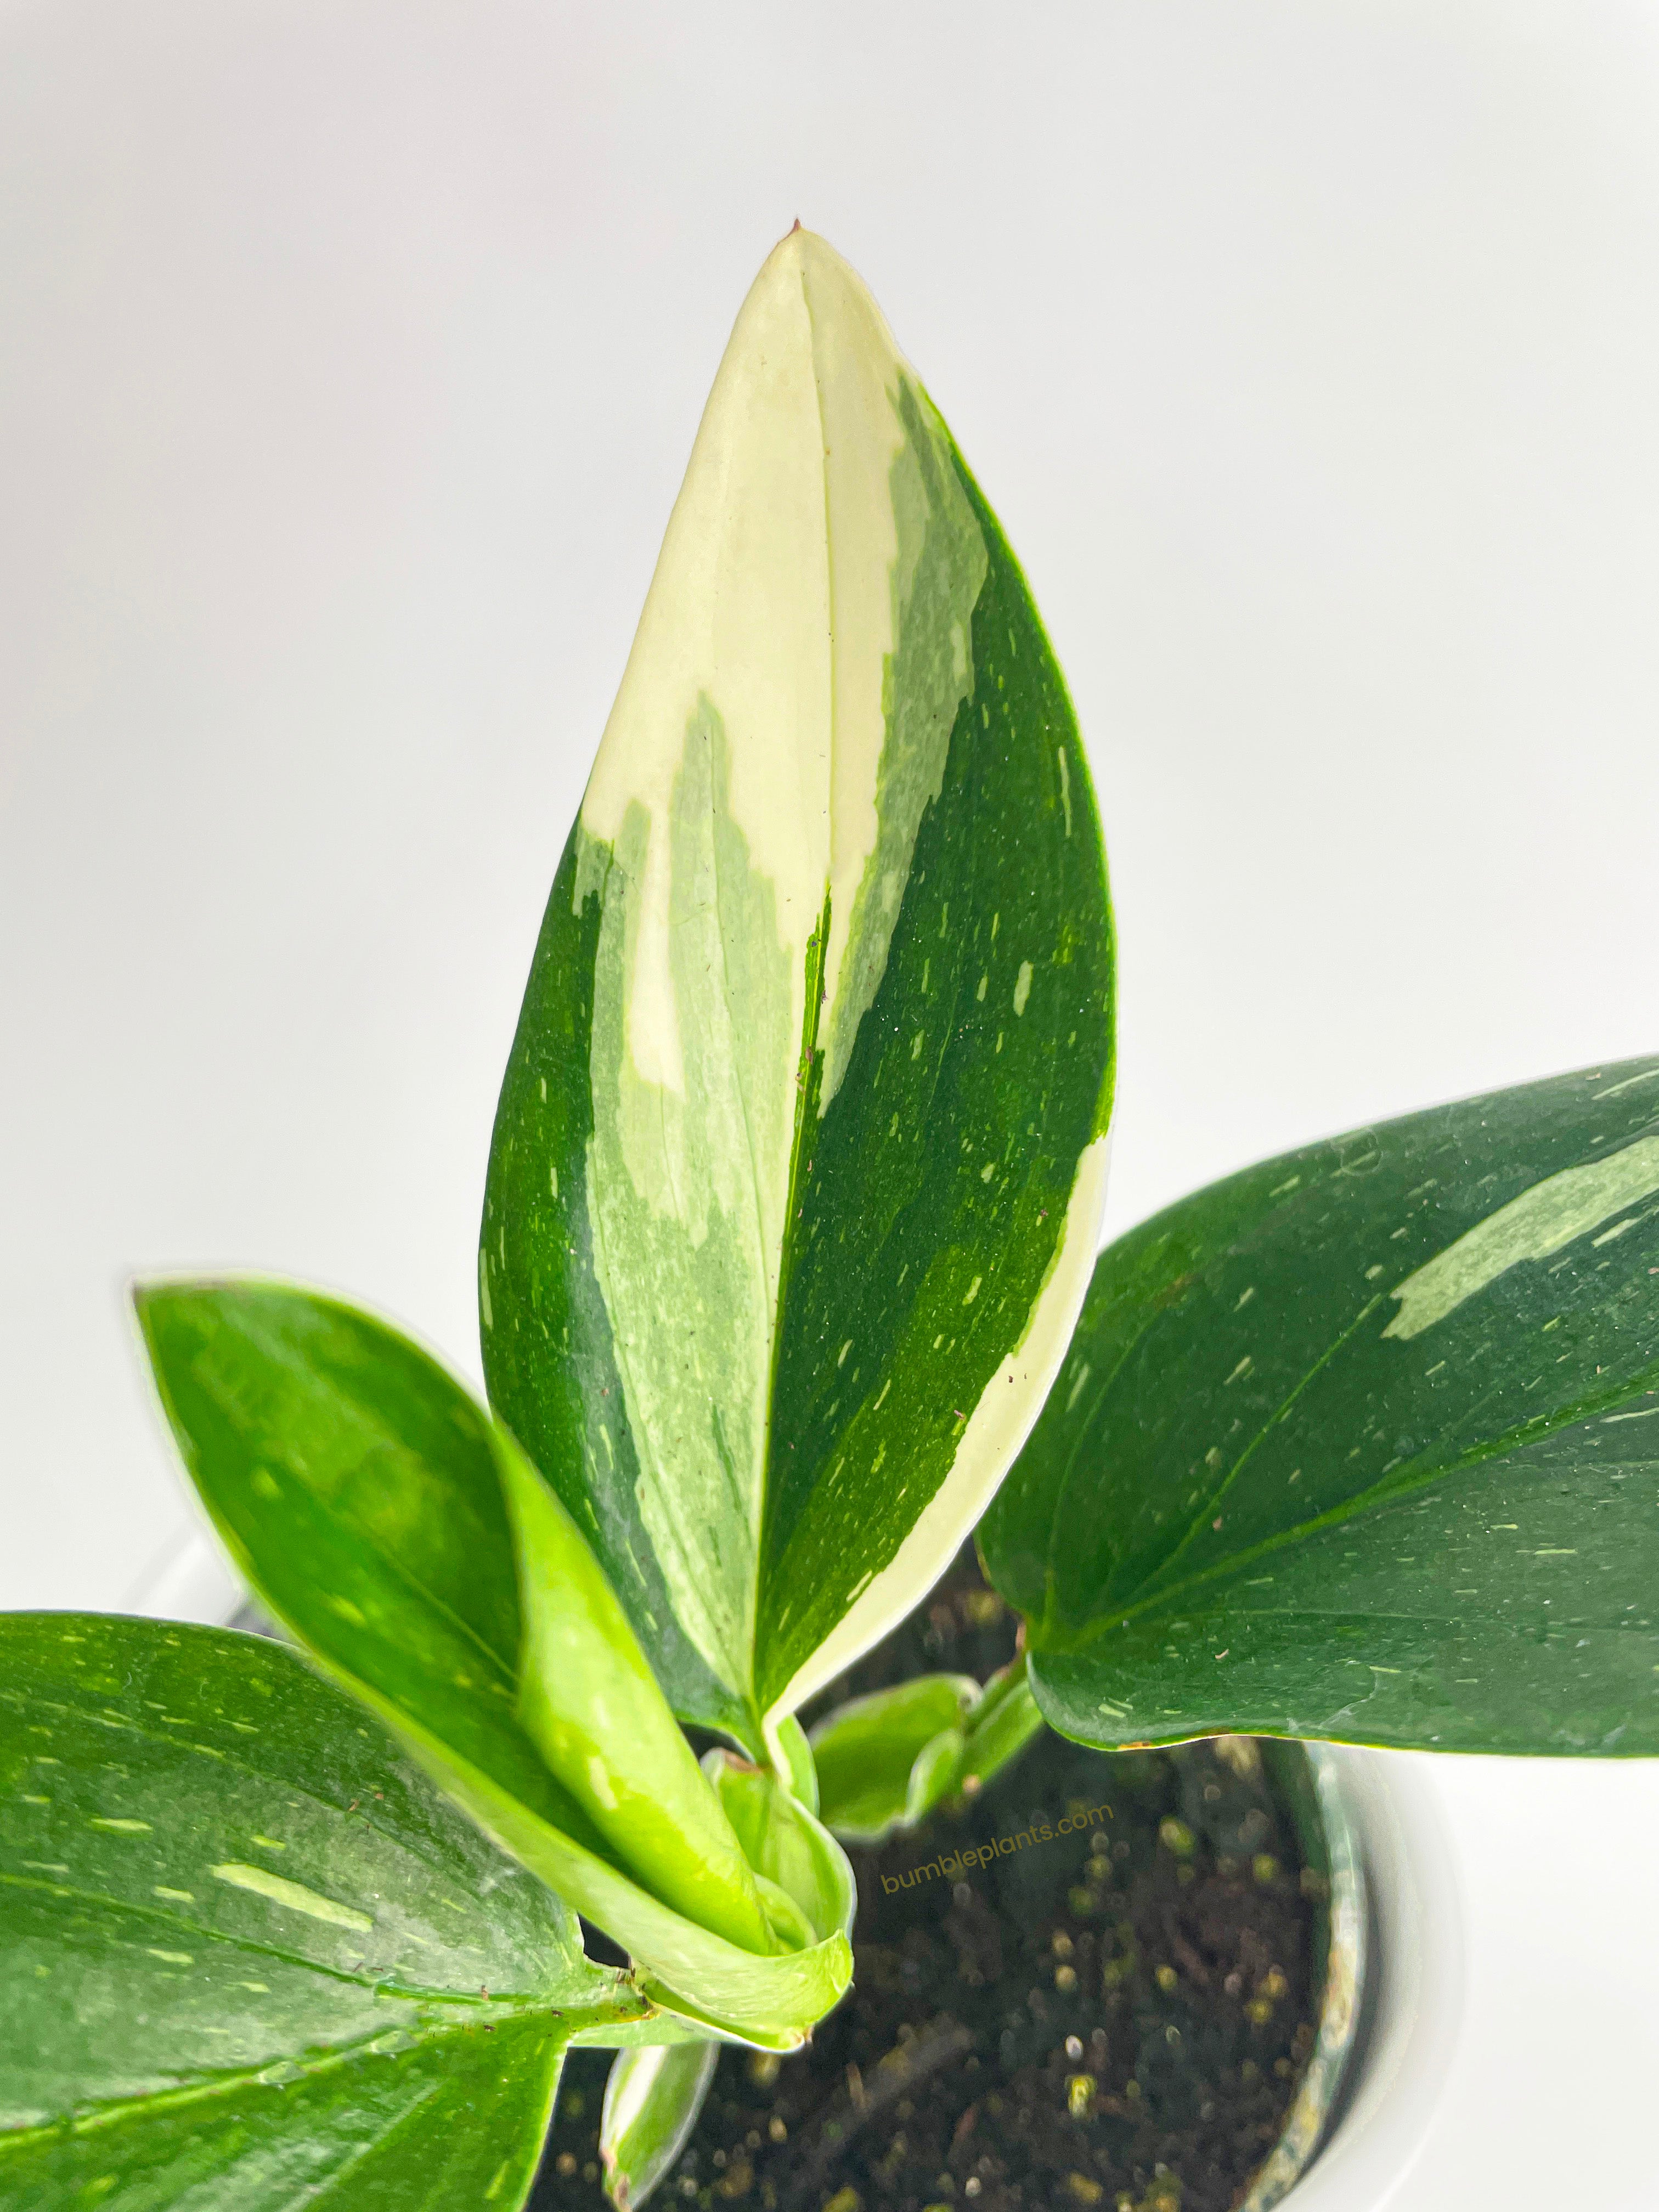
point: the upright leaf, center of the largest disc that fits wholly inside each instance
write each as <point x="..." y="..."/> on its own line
<point x="249" y="1955"/>
<point x="798" y="1163"/>
<point x="1363" y="1443"/>
<point x="372" y="1505"/>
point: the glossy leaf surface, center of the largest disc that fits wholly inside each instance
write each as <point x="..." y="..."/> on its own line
<point x="798" y="1163"/>
<point x="250" y="1956"/>
<point x="372" y="1505"/>
<point x="1363" y="1443"/>
<point x="589" y="1703"/>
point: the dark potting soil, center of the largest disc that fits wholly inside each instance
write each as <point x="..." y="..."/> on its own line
<point x="1114" y="2016"/>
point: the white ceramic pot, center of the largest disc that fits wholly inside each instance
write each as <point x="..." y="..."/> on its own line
<point x="1411" y="2011"/>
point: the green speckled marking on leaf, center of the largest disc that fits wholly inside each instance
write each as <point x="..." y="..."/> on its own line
<point x="937" y="579"/>
<point x="293" y="1896"/>
<point x="686" y="1194"/>
<point x="1541" y="1222"/>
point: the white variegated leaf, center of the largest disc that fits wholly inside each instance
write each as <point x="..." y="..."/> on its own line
<point x="799" y="1161"/>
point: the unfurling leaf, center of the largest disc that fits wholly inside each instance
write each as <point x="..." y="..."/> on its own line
<point x="241" y="1937"/>
<point x="886" y="1760"/>
<point x="795" y="1763"/>
<point x="1363" y="1443"/>
<point x="866" y="1751"/>
<point x="788" y="1846"/>
<point x="374" y="1507"/>
<point x="798" y="1169"/>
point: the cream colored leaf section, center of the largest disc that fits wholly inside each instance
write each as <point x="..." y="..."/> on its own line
<point x="995" y="1429"/>
<point x="817" y="583"/>
<point x="1553" y="1214"/>
<point x="739" y="612"/>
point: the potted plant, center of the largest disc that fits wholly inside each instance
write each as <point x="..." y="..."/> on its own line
<point x="789" y="1240"/>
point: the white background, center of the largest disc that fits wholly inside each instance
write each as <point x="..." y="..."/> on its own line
<point x="349" y="355"/>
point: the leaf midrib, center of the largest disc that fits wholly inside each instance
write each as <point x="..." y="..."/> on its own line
<point x="1376" y="1500"/>
<point x="817" y="983"/>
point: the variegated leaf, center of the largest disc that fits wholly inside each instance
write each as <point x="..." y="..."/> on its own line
<point x="1363" y="1443"/>
<point x="799" y="1165"/>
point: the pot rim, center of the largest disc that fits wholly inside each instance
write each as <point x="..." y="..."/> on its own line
<point x="1319" y="1802"/>
<point x="1417" y="1963"/>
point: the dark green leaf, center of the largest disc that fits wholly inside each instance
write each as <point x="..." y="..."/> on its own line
<point x="1363" y="1443"/>
<point x="249" y="1955"/>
